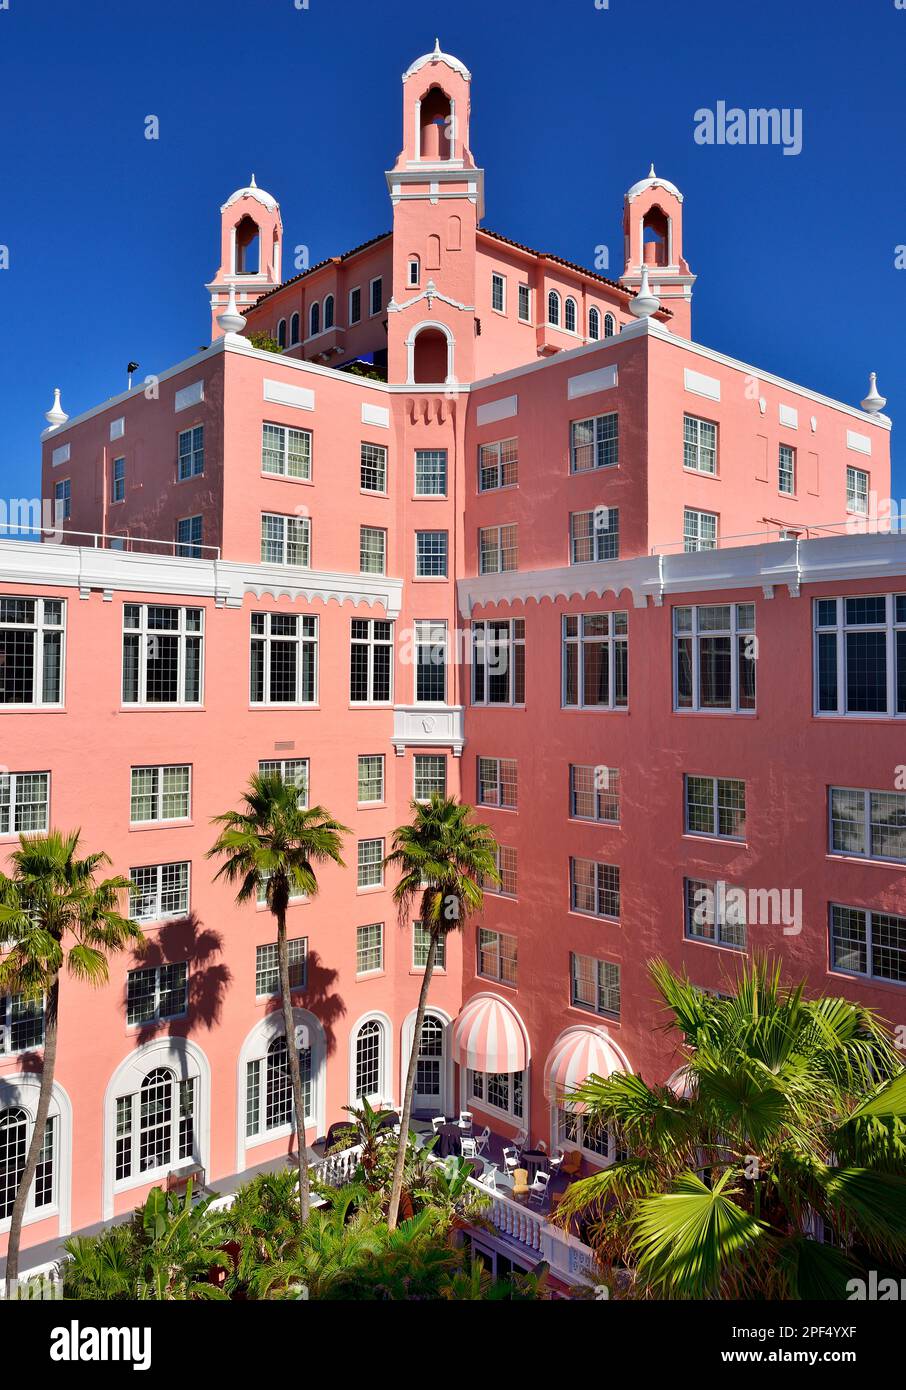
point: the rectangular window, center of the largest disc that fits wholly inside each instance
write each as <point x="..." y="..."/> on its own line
<point x="596" y="661"/>
<point x="594" y="443"/>
<point x="525" y="304"/>
<point x="267" y="968"/>
<point x="595" y="888"/>
<point x="162" y="991"/>
<point x="857" y="491"/>
<point x="188" y="537"/>
<point x="498" y="662"/>
<point x="860" y="655"/>
<point x="714" y="650"/>
<point x="498" y="549"/>
<point x="699" y="445"/>
<point x="712" y="915"/>
<point x="118" y="480"/>
<point x="160" y="793"/>
<point x="870" y="824"/>
<point x="503" y="1091"/>
<point x="430" y="472"/>
<point x="699" y="530"/>
<point x="421" y="940"/>
<point x="158" y="891"/>
<point x="371" y="661"/>
<point x="786" y="470"/>
<point x="867" y="943"/>
<point x="431" y="554"/>
<point x="498" y="293"/>
<point x="595" y="985"/>
<point x="498" y="465"/>
<point x="62" y="496"/>
<point x="31" y="651"/>
<point x="285" y="452"/>
<point x="372" y="550"/>
<point x="430" y="775"/>
<point x="594" y="793"/>
<point x="285" y="540"/>
<point x="370" y="864"/>
<point x="284" y="659"/>
<point x="191" y="452"/>
<point x="376" y="295"/>
<point x="21" y="1023"/>
<point x="716" y="806"/>
<point x="162" y="654"/>
<point x="293" y="771"/>
<point x="24" y="802"/>
<point x="430" y="661"/>
<point x="371" y="779"/>
<point x="506" y="860"/>
<point x="594" y="535"/>
<point x="355" y="305"/>
<point x="369" y="948"/>
<point x="497" y="783"/>
<point x="497" y="956"/>
<point x="373" y="467"/>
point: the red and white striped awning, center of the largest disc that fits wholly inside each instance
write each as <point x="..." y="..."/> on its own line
<point x="576" y="1055"/>
<point x="489" y="1036"/>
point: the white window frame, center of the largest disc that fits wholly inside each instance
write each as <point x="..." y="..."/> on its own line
<point x="696" y="535"/>
<point x="602" y="989"/>
<point x="714" y="832"/>
<point x="511" y="641"/>
<point x="430" y="634"/>
<point x="118" y="481"/>
<point x="498" y="282"/>
<point x="601" y="537"/>
<point x="371" y="643"/>
<point x="554" y="304"/>
<point x="720" y="939"/>
<point x="147" y="637"/>
<point x="373" y="946"/>
<point x="854" y="489"/>
<point x="188" y="547"/>
<point x="494" y="556"/>
<point x="498" y="464"/>
<point x="604" y="446"/>
<point x="296" y="958"/>
<point x="413" y="264"/>
<point x="737" y="632"/>
<point x="594" y="317"/>
<point x="891" y="627"/>
<point x="440" y="954"/>
<point x="382" y="449"/>
<point x="156" y="1016"/>
<point x="41" y="629"/>
<point x="355" y="318"/>
<point x="570" y="310"/>
<point x="489" y="939"/>
<point x="193" y="453"/>
<point x="477" y="1093"/>
<point x="159" y="769"/>
<point x="868" y="914"/>
<point x="612" y="789"/>
<point x="418" y="491"/>
<point x="158" y="914"/>
<point x="303" y="523"/>
<point x="283" y="471"/>
<point x="33" y="1010"/>
<point x="615" y="639"/>
<point x="525" y="298"/>
<point x="600" y="890"/>
<point x="496" y="766"/>
<point x="366" y="864"/>
<point x="696" y="449"/>
<point x="419" y="574"/>
<point x="378" y="555"/>
<point x="299" y="776"/>
<point x="9" y="783"/>
<point x="372" y="311"/>
<point x="303" y="638"/>
<point x="422" y="758"/>
<point x="379" y="758"/>
<point x="868" y="853"/>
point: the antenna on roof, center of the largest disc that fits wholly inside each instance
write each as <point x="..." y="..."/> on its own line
<point x="132" y="367"/>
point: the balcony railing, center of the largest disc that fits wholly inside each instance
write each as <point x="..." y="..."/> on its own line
<point x="109" y="540"/>
<point x="858" y="524"/>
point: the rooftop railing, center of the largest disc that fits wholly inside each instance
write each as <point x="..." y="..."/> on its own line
<point x="858" y="524"/>
<point x="110" y="540"/>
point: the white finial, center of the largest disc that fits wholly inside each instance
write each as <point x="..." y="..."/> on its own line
<point x="437" y="48"/>
<point x="252" y="183"/>
<point x="56" y="416"/>
<point x="874" y="402"/>
<point x="651" y="173"/>
<point x="644" y="303"/>
<point x="232" y="321"/>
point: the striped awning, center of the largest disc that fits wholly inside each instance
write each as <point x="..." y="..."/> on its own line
<point x="576" y="1055"/>
<point x="489" y="1036"/>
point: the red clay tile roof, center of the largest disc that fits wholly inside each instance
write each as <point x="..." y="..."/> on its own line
<point x="268" y="294"/>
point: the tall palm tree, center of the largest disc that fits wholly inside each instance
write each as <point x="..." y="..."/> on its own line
<point x="785" y="1122"/>
<point x="53" y="913"/>
<point x="274" y="843"/>
<point x="443" y="858"/>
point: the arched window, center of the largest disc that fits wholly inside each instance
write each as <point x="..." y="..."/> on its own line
<point x="610" y="325"/>
<point x="155" y="1126"/>
<point x="414" y="272"/>
<point x="247" y="253"/>
<point x="281" y="333"/>
<point x="268" y="1090"/>
<point x="429" y="1080"/>
<point x="314" y="320"/>
<point x="15" y="1133"/>
<point x="594" y="325"/>
<point x="328" y="312"/>
<point x="436" y="125"/>
<point x="553" y="308"/>
<point x="570" y="317"/>
<point x="294" y="330"/>
<point x="369" y="1060"/>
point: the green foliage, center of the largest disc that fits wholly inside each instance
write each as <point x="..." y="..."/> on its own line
<point x="264" y="342"/>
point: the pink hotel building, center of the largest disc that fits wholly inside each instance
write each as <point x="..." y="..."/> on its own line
<point x="669" y="661"/>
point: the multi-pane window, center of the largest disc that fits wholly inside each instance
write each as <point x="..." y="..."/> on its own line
<point x="161" y="991"/>
<point x="505" y="858"/>
<point x="594" y="888"/>
<point x="714" y="914"/>
<point x="594" y="325"/>
<point x="871" y="824"/>
<point x="377" y="295"/>
<point x="431" y="554"/>
<point x="610" y="325"/>
<point x="370" y="873"/>
<point x="498" y="549"/>
<point x="188" y="537"/>
<point x="21" y="1023"/>
<point x="857" y="491"/>
<point x="292" y="771"/>
<point x="498" y="662"/>
<point x="371" y="659"/>
<point x="430" y="472"/>
<point x="430" y="775"/>
<point x="15" y="1134"/>
<point x="594" y="793"/>
<point x="31" y="651"/>
<point x="155" y="1127"/>
<point x="596" y="661"/>
<point x="162" y="654"/>
<point x="430" y="661"/>
<point x="498" y="293"/>
<point x="414" y="271"/>
<point x="497" y="956"/>
<point x="714" y="651"/>
<point x="369" y="948"/>
<point x="355" y="305"/>
<point x="285" y="540"/>
<point x="369" y="1059"/>
<point x="421" y="940"/>
<point x="570" y="315"/>
<point x="594" y="443"/>
<point x="158" y="891"/>
<point x="868" y="943"/>
<point x="503" y="1091"/>
<point x="860" y="655"/>
<point x="716" y="806"/>
<point x="595" y="985"/>
<point x="191" y="452"/>
<point x="594" y="535"/>
<point x="160" y="793"/>
<point x="118" y="491"/>
<point x="372" y="550"/>
<point x="498" y="465"/>
<point x="284" y="659"/>
<point x="24" y="802"/>
<point x="373" y="467"/>
<point x="371" y="779"/>
<point x="62" y="497"/>
<point x="786" y="470"/>
<point x="699" y="444"/>
<point x="699" y="530"/>
<point x="580" y="1129"/>
<point x="285" y="451"/>
<point x="267" y="966"/>
<point x="553" y="308"/>
<point x="294" y="330"/>
<point x="525" y="303"/>
<point x="497" y="783"/>
<point x="269" y="1090"/>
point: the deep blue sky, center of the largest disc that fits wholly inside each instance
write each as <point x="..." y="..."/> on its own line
<point x="111" y="237"/>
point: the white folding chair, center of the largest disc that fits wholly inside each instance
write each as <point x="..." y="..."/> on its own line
<point x="538" y="1188"/>
<point x="521" y="1140"/>
<point x="465" y="1121"/>
<point x="489" y="1177"/>
<point x="483" y="1139"/>
<point x="555" y="1160"/>
<point x="510" y="1159"/>
<point x="468" y="1148"/>
<point x="437" y="1121"/>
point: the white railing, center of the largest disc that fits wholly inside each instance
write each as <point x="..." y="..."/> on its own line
<point x="337" y="1168"/>
<point x="856" y="525"/>
<point x="108" y="540"/>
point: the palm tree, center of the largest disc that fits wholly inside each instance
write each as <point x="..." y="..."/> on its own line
<point x="785" y="1122"/>
<point x="273" y="844"/>
<point x="443" y="858"/>
<point x="54" y="913"/>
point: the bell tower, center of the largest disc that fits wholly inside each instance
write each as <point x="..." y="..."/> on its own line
<point x="653" y="236"/>
<point x="251" y="244"/>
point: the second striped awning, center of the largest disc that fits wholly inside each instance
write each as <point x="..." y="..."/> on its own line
<point x="576" y="1055"/>
<point x="489" y="1036"/>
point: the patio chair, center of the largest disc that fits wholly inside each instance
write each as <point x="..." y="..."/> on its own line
<point x="520" y="1182"/>
<point x="437" y="1121"/>
<point x="465" y="1121"/>
<point x="521" y="1140"/>
<point x="510" y="1159"/>
<point x="489" y="1177"/>
<point x="468" y="1148"/>
<point x="555" y="1161"/>
<point x="538" y="1189"/>
<point x="571" y="1163"/>
<point x="483" y="1139"/>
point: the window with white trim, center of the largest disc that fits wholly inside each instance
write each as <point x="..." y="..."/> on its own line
<point x="498" y="957"/>
<point x="497" y="782"/>
<point x="430" y="472"/>
<point x="118" y="479"/>
<point x="498" y="662"/>
<point x="31" y="651"/>
<point x="16" y="1127"/>
<point x="421" y="940"/>
<point x="506" y="859"/>
<point x="159" y="891"/>
<point x="370" y="872"/>
<point x="594" y="793"/>
<point x="525" y="304"/>
<point x="292" y="771"/>
<point x="580" y="1130"/>
<point x="294" y="330"/>
<point x="369" y="948"/>
<point x="373" y="467"/>
<point x="285" y="540"/>
<point x="371" y="779"/>
<point x="594" y="888"/>
<point x="431" y="554"/>
<point x="430" y="661"/>
<point x="860" y="655"/>
<point x="155" y="1126"/>
<point x="372" y="550"/>
<point x="570" y="315"/>
<point x="595" y="985"/>
<point x="857" y="491"/>
<point x="328" y="312"/>
<point x="870" y="824"/>
<point x="596" y="660"/>
<point x="376" y="296"/>
<point x="267" y="966"/>
<point x="158" y="992"/>
<point x="429" y="776"/>
<point x="414" y="272"/>
<point x="786" y="470"/>
<point x="285" y="452"/>
<point x="269" y="1091"/>
<point x="190" y="446"/>
<point x="498" y="293"/>
<point x="355" y="305"/>
<point x="498" y="465"/>
<point x="162" y="654"/>
<point x="715" y="913"/>
<point x="610" y="325"/>
<point x="594" y="324"/>
<point x="281" y="333"/>
<point x="594" y="535"/>
<point x="594" y="443"/>
<point x="371" y="661"/>
<point x="370" y="1046"/>
<point x="553" y="308"/>
<point x="716" y="806"/>
<point x="500" y="1091"/>
<point x="160" y="793"/>
<point x="871" y="944"/>
<point x="714" y="651"/>
<point x="62" y="498"/>
<point x="284" y="659"/>
<point x="699" y="530"/>
<point x="24" y="802"/>
<point x="699" y="445"/>
<point x="21" y="1023"/>
<point x="314" y="319"/>
<point x="188" y="537"/>
<point x="498" y="549"/>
